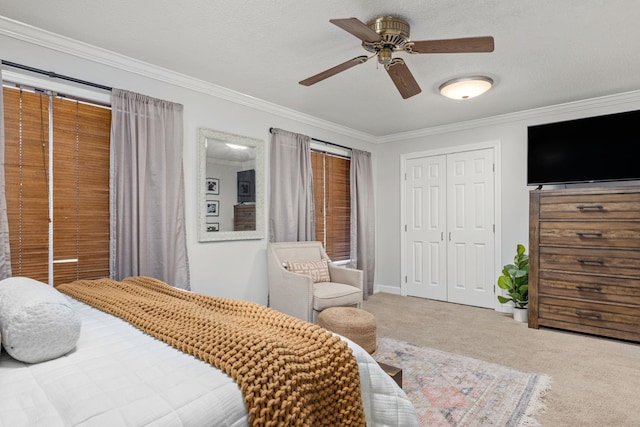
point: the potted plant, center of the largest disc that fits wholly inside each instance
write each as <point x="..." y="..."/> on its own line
<point x="515" y="280"/>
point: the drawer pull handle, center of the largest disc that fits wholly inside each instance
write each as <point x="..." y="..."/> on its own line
<point x="591" y="261"/>
<point x="596" y="288"/>
<point x="590" y="207"/>
<point x="588" y="315"/>
<point x="583" y="234"/>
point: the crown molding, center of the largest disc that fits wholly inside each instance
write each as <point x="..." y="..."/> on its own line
<point x="618" y="100"/>
<point x="40" y="37"/>
<point x="47" y="39"/>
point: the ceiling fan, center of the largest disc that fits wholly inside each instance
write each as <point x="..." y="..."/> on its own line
<point x="386" y="34"/>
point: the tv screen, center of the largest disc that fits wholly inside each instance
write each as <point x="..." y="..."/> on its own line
<point x="593" y="149"/>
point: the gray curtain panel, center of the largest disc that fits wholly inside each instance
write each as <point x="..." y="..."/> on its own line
<point x="147" y="189"/>
<point x="362" y="218"/>
<point x="291" y="208"/>
<point x="5" y="251"/>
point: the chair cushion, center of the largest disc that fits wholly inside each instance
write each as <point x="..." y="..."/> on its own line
<point x="330" y="294"/>
<point x="317" y="270"/>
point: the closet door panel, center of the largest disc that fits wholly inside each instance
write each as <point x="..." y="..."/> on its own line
<point x="470" y="217"/>
<point x="426" y="226"/>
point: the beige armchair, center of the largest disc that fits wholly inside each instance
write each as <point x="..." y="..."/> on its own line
<point x="297" y="294"/>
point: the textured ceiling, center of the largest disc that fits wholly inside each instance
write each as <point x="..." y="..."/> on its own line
<point x="547" y="52"/>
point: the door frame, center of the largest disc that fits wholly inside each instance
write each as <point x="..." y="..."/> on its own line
<point x="495" y="144"/>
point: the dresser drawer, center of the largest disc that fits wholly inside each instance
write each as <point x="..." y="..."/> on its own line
<point x="600" y="315"/>
<point x="590" y="287"/>
<point x="244" y="217"/>
<point x="245" y="214"/>
<point x="590" y="206"/>
<point x="605" y="262"/>
<point x="591" y="233"/>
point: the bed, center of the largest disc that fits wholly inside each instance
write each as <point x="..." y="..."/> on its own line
<point x="118" y="375"/>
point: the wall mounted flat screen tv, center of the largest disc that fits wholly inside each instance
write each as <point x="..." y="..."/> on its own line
<point x="593" y="149"/>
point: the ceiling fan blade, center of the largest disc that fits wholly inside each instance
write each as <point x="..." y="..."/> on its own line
<point x="462" y="45"/>
<point x="402" y="78"/>
<point x="358" y="29"/>
<point x="334" y="70"/>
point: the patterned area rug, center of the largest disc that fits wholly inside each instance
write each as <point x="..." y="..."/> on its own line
<point x="452" y="390"/>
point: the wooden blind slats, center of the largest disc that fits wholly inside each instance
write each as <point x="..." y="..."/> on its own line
<point x="81" y="190"/>
<point x="27" y="210"/>
<point x="317" y="168"/>
<point x="331" y="186"/>
<point x="81" y="134"/>
<point x="338" y="206"/>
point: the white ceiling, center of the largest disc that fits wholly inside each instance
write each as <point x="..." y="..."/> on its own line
<point x="547" y="52"/>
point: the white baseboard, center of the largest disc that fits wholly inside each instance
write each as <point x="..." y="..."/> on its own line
<point x="386" y="289"/>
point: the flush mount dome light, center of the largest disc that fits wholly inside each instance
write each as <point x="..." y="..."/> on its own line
<point x="465" y="87"/>
<point x="236" y="146"/>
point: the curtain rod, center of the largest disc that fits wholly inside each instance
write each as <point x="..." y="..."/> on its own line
<point x="324" y="142"/>
<point x="54" y="75"/>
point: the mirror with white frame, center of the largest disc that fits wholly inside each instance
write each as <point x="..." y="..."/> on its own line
<point x="230" y="186"/>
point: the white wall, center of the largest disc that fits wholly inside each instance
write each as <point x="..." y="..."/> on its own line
<point x="234" y="269"/>
<point x="513" y="215"/>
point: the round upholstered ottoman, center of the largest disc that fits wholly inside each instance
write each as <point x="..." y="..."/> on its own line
<point x="357" y="325"/>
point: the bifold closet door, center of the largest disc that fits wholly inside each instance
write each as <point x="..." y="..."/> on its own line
<point x="426" y="224"/>
<point x="449" y="253"/>
<point x="470" y="228"/>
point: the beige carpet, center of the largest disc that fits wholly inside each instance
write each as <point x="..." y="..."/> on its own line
<point x="595" y="381"/>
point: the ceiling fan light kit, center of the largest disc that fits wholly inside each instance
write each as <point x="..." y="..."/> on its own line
<point x="466" y="87"/>
<point x="387" y="34"/>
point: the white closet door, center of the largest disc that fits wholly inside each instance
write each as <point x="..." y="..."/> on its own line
<point x="470" y="221"/>
<point x="426" y="227"/>
<point x="449" y="253"/>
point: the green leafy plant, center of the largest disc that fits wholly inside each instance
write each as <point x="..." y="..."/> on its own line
<point x="515" y="280"/>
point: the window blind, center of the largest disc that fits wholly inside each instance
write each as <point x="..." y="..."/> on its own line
<point x="331" y="182"/>
<point x="318" y="171"/>
<point x="79" y="175"/>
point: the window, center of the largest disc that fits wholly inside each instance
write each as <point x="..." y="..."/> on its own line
<point x="331" y="189"/>
<point x="64" y="177"/>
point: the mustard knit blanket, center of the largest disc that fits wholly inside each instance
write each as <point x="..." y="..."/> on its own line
<point x="291" y="373"/>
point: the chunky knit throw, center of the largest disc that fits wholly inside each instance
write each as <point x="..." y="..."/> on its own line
<point x="291" y="373"/>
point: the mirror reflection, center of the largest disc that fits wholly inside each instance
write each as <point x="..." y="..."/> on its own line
<point x="231" y="173"/>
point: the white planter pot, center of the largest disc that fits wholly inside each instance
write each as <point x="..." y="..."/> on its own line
<point x="521" y="314"/>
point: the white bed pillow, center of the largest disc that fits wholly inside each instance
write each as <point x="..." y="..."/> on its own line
<point x="37" y="322"/>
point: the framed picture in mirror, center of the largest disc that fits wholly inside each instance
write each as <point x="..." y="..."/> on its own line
<point x="213" y="207"/>
<point x="246" y="186"/>
<point x="212" y="226"/>
<point x="213" y="186"/>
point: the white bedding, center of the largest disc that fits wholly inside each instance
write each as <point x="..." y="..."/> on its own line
<point x="119" y="376"/>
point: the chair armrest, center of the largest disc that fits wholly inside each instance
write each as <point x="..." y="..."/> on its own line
<point x="290" y="293"/>
<point x="349" y="276"/>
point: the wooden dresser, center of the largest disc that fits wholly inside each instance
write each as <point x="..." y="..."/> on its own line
<point x="584" y="248"/>
<point x="244" y="217"/>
